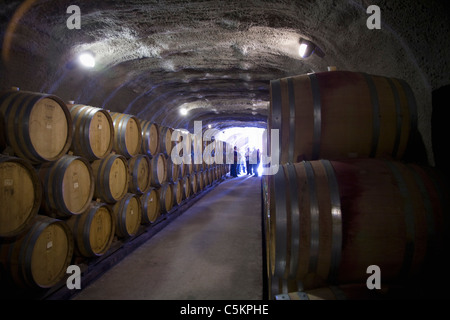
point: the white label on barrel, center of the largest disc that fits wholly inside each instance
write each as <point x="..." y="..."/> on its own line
<point x="8" y="182"/>
<point x="151" y="199"/>
<point x="75" y="180"/>
<point x="132" y="211"/>
<point x="49" y="126"/>
<point x="99" y="127"/>
<point x="49" y="244"/>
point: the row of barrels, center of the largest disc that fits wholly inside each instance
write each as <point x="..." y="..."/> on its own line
<point x="42" y="128"/>
<point x="50" y="240"/>
<point x="73" y="177"/>
<point x="330" y="220"/>
<point x="345" y="197"/>
<point x="66" y="187"/>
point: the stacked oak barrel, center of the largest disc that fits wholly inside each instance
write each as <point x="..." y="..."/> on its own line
<point x="345" y="198"/>
<point x="74" y="179"/>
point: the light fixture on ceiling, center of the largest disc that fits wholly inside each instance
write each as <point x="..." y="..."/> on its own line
<point x="87" y="59"/>
<point x="183" y="111"/>
<point x="307" y="48"/>
<point x="209" y="126"/>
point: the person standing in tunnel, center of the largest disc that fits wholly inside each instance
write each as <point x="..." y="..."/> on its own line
<point x="234" y="164"/>
<point x="256" y="166"/>
<point x="247" y="161"/>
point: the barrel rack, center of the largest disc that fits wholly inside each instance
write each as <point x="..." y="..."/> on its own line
<point x="93" y="268"/>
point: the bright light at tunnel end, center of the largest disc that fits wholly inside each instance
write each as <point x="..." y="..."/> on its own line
<point x="183" y="111"/>
<point x="87" y="59"/>
<point x="244" y="139"/>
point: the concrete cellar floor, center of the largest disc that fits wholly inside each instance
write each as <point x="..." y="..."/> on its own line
<point x="213" y="251"/>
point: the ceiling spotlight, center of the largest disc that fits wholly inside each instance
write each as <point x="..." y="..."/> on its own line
<point x="183" y="111"/>
<point x="307" y="48"/>
<point x="209" y="126"/>
<point x="87" y="59"/>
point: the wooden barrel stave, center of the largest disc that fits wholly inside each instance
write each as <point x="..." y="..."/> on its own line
<point x="178" y="191"/>
<point x="20" y="195"/>
<point x="194" y="183"/>
<point x="187" y="186"/>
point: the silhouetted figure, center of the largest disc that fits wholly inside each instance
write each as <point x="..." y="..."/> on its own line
<point x="247" y="162"/>
<point x="256" y="166"/>
<point x="234" y="164"/>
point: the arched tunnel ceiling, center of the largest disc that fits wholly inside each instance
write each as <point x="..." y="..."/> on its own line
<point x="216" y="58"/>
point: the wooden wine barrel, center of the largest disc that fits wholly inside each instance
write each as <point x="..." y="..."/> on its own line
<point x="173" y="170"/>
<point x="20" y="195"/>
<point x="341" y="114"/>
<point x="200" y="181"/>
<point x="128" y="215"/>
<point x="206" y="177"/>
<point x="166" y="198"/>
<point x="159" y="170"/>
<point x="330" y="220"/>
<point x="211" y="176"/>
<point x="165" y="140"/>
<point x="93" y="230"/>
<point x="189" y="168"/>
<point x="93" y="131"/>
<point x="187" y="186"/>
<point x="38" y="126"/>
<point x="183" y="170"/>
<point x="194" y="183"/>
<point x="68" y="186"/>
<point x="150" y="206"/>
<point x="178" y="191"/>
<point x="111" y="178"/>
<point x="150" y="138"/>
<point x="140" y="174"/>
<point x="127" y="134"/>
<point x="40" y="256"/>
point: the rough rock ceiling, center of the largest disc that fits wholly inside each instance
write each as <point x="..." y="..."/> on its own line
<point x="216" y="58"/>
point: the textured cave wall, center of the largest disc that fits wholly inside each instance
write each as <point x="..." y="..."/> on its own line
<point x="216" y="58"/>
